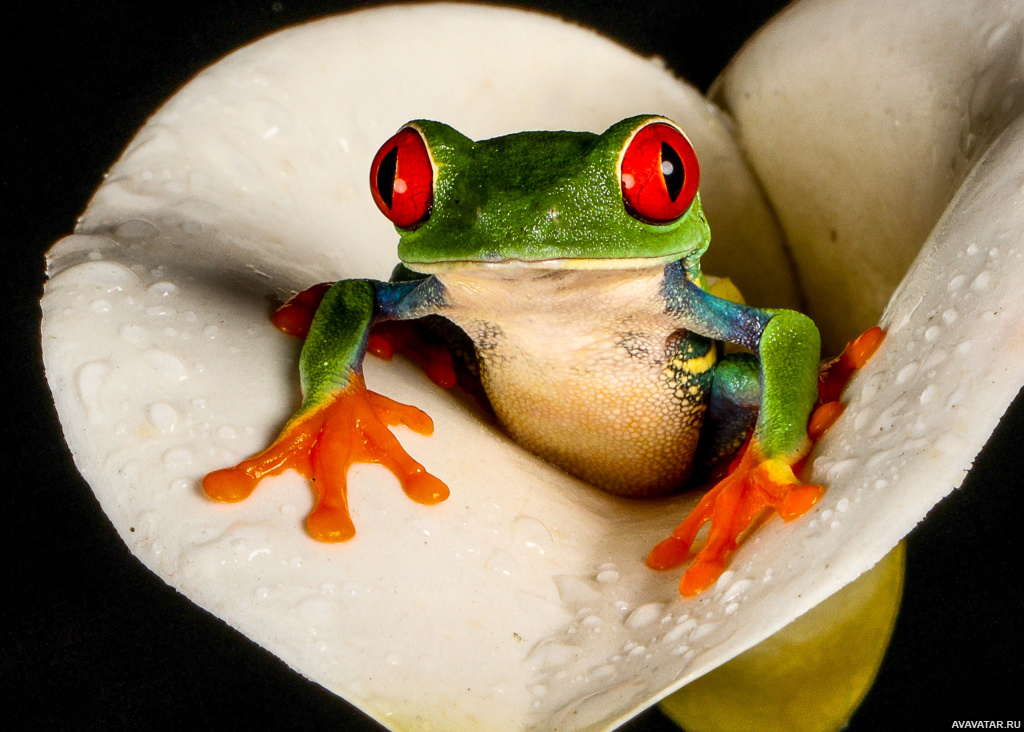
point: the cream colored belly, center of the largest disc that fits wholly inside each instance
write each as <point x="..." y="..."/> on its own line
<point x="622" y="430"/>
<point x="582" y="378"/>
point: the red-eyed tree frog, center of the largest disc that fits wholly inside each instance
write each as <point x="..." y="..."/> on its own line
<point x="571" y="260"/>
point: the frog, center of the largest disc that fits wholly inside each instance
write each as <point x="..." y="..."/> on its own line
<point x="571" y="264"/>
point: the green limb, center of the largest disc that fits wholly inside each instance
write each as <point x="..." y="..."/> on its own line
<point x="789" y="350"/>
<point x="334" y="349"/>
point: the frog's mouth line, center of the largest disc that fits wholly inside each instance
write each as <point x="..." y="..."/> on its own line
<point x="563" y="263"/>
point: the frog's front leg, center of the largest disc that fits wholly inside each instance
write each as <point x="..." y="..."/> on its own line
<point x="340" y="422"/>
<point x="787" y="345"/>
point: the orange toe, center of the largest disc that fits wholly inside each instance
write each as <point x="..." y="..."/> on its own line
<point x="823" y="417"/>
<point x="296" y="315"/>
<point x="837" y="372"/>
<point x="423" y="349"/>
<point x="732" y="507"/>
<point x="323" y="443"/>
<point x="700" y="575"/>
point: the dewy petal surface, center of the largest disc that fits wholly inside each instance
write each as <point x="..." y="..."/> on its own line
<point x="522" y="601"/>
<point x="861" y="119"/>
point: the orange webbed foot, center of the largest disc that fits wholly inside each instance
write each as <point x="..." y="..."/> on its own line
<point x="732" y="506"/>
<point x="322" y="443"/>
<point x="834" y="376"/>
<point x="431" y="356"/>
<point x="296" y="315"/>
<point x="755" y="483"/>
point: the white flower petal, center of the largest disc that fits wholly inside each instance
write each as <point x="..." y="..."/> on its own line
<point x="523" y="599"/>
<point x="455" y="613"/>
<point x="862" y="118"/>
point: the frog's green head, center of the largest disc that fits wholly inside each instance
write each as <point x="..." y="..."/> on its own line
<point x="627" y="197"/>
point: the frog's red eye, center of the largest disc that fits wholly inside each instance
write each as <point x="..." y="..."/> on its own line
<point x="402" y="179"/>
<point x="659" y="174"/>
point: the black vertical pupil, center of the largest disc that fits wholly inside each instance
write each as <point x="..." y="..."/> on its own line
<point x="671" y="170"/>
<point x="386" y="176"/>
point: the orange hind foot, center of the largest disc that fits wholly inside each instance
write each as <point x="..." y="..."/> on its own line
<point x="755" y="483"/>
<point x="732" y="506"/>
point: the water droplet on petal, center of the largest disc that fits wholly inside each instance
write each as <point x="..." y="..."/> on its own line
<point x="532" y="533"/>
<point x="736" y="589"/>
<point x="927" y="394"/>
<point x="906" y="373"/>
<point x="724" y="580"/>
<point x="703" y="630"/>
<point x="166" y="364"/>
<point x="574" y="591"/>
<point x="162" y="416"/>
<point x="838" y="469"/>
<point x="136" y="229"/>
<point x="679" y="632"/>
<point x="964" y="348"/>
<point x="162" y="289"/>
<point x="501" y="562"/>
<point x="177" y="457"/>
<point x="91" y="378"/>
<point x="644" y="615"/>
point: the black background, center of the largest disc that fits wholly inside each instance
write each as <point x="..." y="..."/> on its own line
<point x="92" y="641"/>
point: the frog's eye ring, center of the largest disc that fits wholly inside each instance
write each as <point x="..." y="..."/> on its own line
<point x="659" y="174"/>
<point x="402" y="179"/>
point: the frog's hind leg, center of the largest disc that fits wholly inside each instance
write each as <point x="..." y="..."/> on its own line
<point x="731" y="414"/>
<point x="759" y="478"/>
